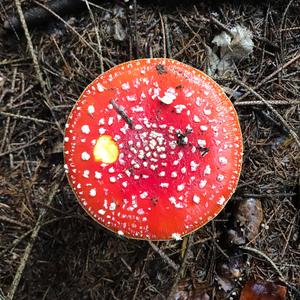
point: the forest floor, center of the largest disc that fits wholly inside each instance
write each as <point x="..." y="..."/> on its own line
<point x="50" y="248"/>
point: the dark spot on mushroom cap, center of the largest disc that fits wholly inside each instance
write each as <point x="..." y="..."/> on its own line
<point x="154" y="200"/>
<point x="160" y="69"/>
<point x="203" y="150"/>
<point x="182" y="137"/>
<point x="121" y="111"/>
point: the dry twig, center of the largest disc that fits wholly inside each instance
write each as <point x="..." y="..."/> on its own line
<point x="267" y="78"/>
<point x="267" y="258"/>
<point x="8" y="114"/>
<point x="164" y="256"/>
<point x="163" y="35"/>
<point x="282" y="120"/>
<point x="34" y="234"/>
<point x="272" y="102"/>
<point x="100" y="57"/>
<point x="81" y="38"/>
<point x="35" y="62"/>
<point x="182" y="266"/>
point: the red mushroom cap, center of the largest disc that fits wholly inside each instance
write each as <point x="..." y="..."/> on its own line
<point x="153" y="149"/>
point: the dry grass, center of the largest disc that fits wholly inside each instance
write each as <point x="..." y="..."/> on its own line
<point x="70" y="256"/>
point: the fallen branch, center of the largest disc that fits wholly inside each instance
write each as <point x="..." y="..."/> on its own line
<point x="39" y="16"/>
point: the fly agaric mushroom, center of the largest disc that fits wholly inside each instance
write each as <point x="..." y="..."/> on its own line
<point x="153" y="149"/>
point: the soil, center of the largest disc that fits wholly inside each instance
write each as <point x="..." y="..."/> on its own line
<point x="50" y="249"/>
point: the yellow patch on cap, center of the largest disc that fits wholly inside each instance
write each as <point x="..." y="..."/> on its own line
<point x="106" y="150"/>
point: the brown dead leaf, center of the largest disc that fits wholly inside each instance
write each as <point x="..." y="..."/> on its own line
<point x="263" y="291"/>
